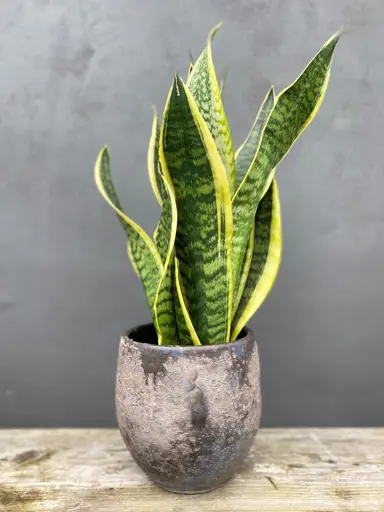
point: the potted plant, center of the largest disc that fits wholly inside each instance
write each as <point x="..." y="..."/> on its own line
<point x="188" y="393"/>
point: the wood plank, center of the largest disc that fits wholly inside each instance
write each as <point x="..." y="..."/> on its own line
<point x="300" y="470"/>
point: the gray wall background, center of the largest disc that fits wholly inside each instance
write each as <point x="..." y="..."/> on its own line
<point x="77" y="74"/>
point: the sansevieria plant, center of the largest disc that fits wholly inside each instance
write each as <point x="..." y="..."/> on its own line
<point x="217" y="247"/>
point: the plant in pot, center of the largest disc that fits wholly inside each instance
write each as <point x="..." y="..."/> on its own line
<point x="187" y="389"/>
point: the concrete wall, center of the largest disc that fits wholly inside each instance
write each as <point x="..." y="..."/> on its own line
<point x="77" y="74"/>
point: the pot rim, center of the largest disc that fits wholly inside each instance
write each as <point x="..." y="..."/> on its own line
<point x="248" y="336"/>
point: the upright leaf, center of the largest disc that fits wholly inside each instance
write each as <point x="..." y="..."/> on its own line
<point x="247" y="151"/>
<point x="244" y="158"/>
<point x="205" y="90"/>
<point x="165" y="242"/>
<point x="185" y="325"/>
<point x="188" y="155"/>
<point x="295" y="107"/>
<point x="153" y="158"/>
<point x="145" y="258"/>
<point x="246" y="265"/>
<point x="168" y="218"/>
<point x="265" y="259"/>
<point x="170" y="312"/>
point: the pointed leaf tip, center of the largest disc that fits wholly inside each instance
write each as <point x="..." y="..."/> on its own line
<point x="205" y="89"/>
<point x="178" y="84"/>
<point x="213" y="32"/>
<point x="340" y="31"/>
<point x="332" y="41"/>
<point x="103" y="154"/>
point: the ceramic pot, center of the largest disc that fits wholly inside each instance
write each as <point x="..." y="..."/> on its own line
<point x="188" y="415"/>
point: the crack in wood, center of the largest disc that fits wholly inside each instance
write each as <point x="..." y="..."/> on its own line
<point x="271" y="481"/>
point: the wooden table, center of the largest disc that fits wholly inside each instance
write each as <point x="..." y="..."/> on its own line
<point x="317" y="470"/>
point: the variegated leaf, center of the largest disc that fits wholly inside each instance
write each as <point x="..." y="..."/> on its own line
<point x="238" y="290"/>
<point x="188" y="154"/>
<point x="265" y="260"/>
<point x="163" y="230"/>
<point x="244" y="158"/>
<point x="165" y="242"/>
<point x="295" y="108"/>
<point x="153" y="158"/>
<point x="145" y="257"/>
<point x="247" y="151"/>
<point x="185" y="326"/>
<point x="205" y="90"/>
<point x="170" y="311"/>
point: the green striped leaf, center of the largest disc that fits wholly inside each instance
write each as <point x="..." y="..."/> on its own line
<point x="132" y="260"/>
<point x="169" y="308"/>
<point x="295" y="108"/>
<point x="165" y="243"/>
<point x="163" y="230"/>
<point x="153" y="158"/>
<point x="205" y="90"/>
<point x="265" y="261"/>
<point x="164" y="239"/>
<point x="188" y="155"/>
<point x="184" y="334"/>
<point x="174" y="329"/>
<point x="161" y="234"/>
<point x="244" y="158"/>
<point x="145" y="257"/>
<point x="247" y="151"/>
<point x="238" y="291"/>
<point x="185" y="326"/>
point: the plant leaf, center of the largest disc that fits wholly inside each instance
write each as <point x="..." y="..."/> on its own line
<point x="184" y="333"/>
<point x="186" y="329"/>
<point x="205" y="90"/>
<point x="244" y="158"/>
<point x="188" y="154"/>
<point x="158" y="187"/>
<point x="132" y="260"/>
<point x="247" y="151"/>
<point x="170" y="311"/>
<point x="238" y="291"/>
<point x="265" y="261"/>
<point x="146" y="260"/>
<point x="295" y="108"/>
<point x="168" y="217"/>
<point x="153" y="158"/>
<point x="165" y="242"/>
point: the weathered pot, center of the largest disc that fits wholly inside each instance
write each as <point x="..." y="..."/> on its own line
<point x="188" y="415"/>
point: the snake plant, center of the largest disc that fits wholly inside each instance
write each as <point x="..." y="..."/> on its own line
<point x="217" y="247"/>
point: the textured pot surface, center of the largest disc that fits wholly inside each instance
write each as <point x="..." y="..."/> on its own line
<point x="188" y="415"/>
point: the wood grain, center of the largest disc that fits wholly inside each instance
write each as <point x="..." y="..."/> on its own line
<point x="316" y="470"/>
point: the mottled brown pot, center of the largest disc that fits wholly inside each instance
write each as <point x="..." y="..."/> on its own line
<point x="188" y="415"/>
